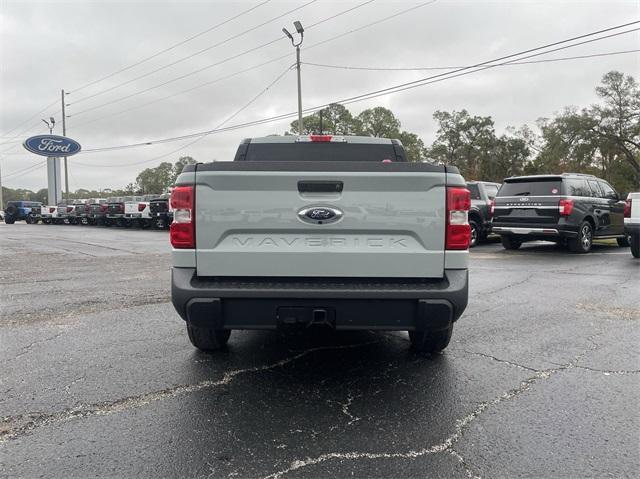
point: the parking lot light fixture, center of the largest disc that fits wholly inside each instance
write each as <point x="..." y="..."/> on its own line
<point x="300" y="31"/>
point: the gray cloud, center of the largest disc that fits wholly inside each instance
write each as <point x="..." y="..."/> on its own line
<point x="46" y="46"/>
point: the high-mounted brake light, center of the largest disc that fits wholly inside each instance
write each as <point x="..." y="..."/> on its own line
<point x="182" y="231"/>
<point x="320" y="138"/>
<point x="565" y="207"/>
<point x="627" y="208"/>
<point x="141" y="206"/>
<point x="458" y="232"/>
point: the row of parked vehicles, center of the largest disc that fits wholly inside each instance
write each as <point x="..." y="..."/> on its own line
<point x="148" y="211"/>
<point x="570" y="209"/>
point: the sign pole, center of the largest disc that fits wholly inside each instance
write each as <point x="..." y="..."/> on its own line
<point x="64" y="133"/>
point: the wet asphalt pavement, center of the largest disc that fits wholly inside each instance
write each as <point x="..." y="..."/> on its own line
<point x="98" y="378"/>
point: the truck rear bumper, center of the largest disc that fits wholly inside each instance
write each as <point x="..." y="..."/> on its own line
<point x="343" y="303"/>
<point x="535" y="231"/>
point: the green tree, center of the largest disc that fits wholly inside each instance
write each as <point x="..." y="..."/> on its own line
<point x="379" y="122"/>
<point x="336" y="120"/>
<point x="413" y="146"/>
<point x="155" y="180"/>
<point x="464" y="141"/>
<point x="179" y="166"/>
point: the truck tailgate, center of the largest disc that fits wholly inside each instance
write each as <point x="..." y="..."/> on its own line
<point x="248" y="220"/>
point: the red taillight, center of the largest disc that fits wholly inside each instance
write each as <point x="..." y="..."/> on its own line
<point x="104" y="207"/>
<point x="320" y="138"/>
<point x="492" y="206"/>
<point x="69" y="209"/>
<point x="565" y="207"/>
<point x="51" y="210"/>
<point x="141" y="206"/>
<point x="182" y="231"/>
<point x="458" y="233"/>
<point x="627" y="208"/>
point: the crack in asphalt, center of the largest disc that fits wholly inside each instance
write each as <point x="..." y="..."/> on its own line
<point x="345" y="408"/>
<point x="507" y="287"/>
<point x="447" y="444"/>
<point x="467" y="469"/>
<point x="504" y="361"/>
<point x="27" y="348"/>
<point x="36" y="420"/>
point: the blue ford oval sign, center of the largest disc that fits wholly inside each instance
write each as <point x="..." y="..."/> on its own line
<point x="52" y="145"/>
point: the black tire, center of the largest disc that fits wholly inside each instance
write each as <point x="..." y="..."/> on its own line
<point x="46" y="221"/>
<point x="509" y="242"/>
<point x="145" y="224"/>
<point x="582" y="243"/>
<point x="11" y="210"/>
<point x="430" y="341"/>
<point x="208" y="339"/>
<point x="475" y="233"/>
<point x="29" y="220"/>
<point x="9" y="220"/>
<point x="635" y="245"/>
<point x="624" y="242"/>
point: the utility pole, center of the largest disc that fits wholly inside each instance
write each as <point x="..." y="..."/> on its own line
<point x="1" y="195"/>
<point x="300" y="31"/>
<point x="321" y="129"/>
<point x="64" y="133"/>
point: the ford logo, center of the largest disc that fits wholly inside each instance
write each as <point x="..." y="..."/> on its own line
<point x="319" y="214"/>
<point x="52" y="145"/>
<point x="524" y="198"/>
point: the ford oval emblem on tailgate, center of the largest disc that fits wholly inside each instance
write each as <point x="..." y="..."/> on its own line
<point x="319" y="214"/>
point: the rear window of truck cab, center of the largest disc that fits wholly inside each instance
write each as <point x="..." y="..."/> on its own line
<point x="320" y="151"/>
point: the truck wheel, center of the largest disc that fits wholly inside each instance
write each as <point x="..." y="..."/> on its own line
<point x="46" y="221"/>
<point x="635" y="245"/>
<point x="475" y="233"/>
<point x="9" y="220"/>
<point x="207" y="339"/>
<point x="624" y="242"/>
<point x="509" y="242"/>
<point x="582" y="243"/>
<point x="29" y="220"/>
<point x="430" y="341"/>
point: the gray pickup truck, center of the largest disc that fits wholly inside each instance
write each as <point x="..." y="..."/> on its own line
<point x="306" y="230"/>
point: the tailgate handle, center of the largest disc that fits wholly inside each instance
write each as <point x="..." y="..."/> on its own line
<point x="320" y="186"/>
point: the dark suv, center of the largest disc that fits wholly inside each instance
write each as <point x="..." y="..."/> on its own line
<point x="570" y="207"/>
<point x="482" y="195"/>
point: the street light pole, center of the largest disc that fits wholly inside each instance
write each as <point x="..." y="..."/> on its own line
<point x="300" y="31"/>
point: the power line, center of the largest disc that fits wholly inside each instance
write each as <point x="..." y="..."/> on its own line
<point x="14" y="146"/>
<point x="24" y="171"/>
<point x="399" y="87"/>
<point x="172" y="47"/>
<point x="314" y="45"/>
<point x="157" y="100"/>
<point x="546" y="60"/>
<point x="224" y="122"/>
<point x="28" y="120"/>
<point x="199" y="52"/>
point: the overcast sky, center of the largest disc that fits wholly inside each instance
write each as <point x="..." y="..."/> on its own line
<point x="48" y="45"/>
